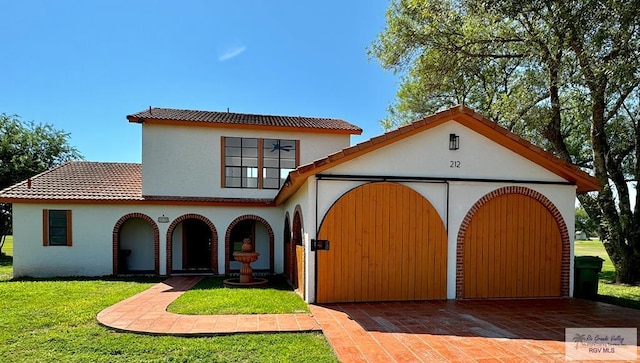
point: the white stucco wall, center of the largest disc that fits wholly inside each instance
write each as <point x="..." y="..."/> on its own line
<point x="186" y="160"/>
<point x="427" y="154"/>
<point x="92" y="227"/>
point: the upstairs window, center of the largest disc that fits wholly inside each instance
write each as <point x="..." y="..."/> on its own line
<point x="258" y="163"/>
<point x="56" y="229"/>
<point x="241" y="162"/>
<point x="279" y="158"/>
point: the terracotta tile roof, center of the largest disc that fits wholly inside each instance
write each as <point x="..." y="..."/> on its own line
<point x="83" y="181"/>
<point x="462" y="115"/>
<point x="237" y="119"/>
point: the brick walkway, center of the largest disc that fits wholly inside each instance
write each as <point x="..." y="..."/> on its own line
<point x="147" y="313"/>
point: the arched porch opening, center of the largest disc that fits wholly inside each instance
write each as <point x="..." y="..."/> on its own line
<point x="262" y="237"/>
<point x="192" y="245"/>
<point x="136" y="245"/>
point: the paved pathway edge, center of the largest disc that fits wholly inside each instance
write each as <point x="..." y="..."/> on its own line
<point x="146" y="313"/>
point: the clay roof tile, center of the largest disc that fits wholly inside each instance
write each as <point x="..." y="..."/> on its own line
<point x="233" y="118"/>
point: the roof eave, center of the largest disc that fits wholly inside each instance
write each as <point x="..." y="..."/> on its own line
<point x="175" y="122"/>
<point x="204" y="202"/>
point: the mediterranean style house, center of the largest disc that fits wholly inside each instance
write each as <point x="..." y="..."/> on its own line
<point x="451" y="206"/>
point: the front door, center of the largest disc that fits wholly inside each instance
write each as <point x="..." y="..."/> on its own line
<point x="197" y="242"/>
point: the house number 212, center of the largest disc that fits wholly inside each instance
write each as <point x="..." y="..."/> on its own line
<point x="454" y="163"/>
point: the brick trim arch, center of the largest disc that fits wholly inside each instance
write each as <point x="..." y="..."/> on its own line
<point x="297" y="211"/>
<point x="227" y="239"/>
<point x="214" y="240"/>
<point x="287" y="228"/>
<point x="564" y="234"/>
<point x="116" y="239"/>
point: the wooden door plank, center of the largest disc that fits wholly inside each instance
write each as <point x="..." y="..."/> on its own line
<point x="422" y="258"/>
<point x="350" y="275"/>
<point x="363" y="215"/>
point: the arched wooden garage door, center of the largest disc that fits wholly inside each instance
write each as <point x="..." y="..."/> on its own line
<point x="512" y="248"/>
<point x="387" y="243"/>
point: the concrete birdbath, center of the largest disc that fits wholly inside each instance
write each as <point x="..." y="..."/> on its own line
<point x="246" y="257"/>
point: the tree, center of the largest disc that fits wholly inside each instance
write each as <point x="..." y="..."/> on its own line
<point x="585" y="224"/>
<point x="564" y="74"/>
<point x="27" y="149"/>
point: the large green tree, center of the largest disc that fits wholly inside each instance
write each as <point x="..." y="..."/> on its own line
<point x="27" y="149"/>
<point x="564" y="74"/>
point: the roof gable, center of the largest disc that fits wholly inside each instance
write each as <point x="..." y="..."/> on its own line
<point x="427" y="155"/>
<point x="462" y="115"/>
<point x="241" y="120"/>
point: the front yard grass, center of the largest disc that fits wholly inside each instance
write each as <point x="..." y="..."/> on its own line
<point x="210" y="297"/>
<point x="623" y="295"/>
<point x="54" y="320"/>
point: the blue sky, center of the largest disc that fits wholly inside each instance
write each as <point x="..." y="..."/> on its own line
<point x="82" y="66"/>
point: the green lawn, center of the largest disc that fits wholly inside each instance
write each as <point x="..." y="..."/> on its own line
<point x="623" y="295"/>
<point x="6" y="260"/>
<point x="54" y="320"/>
<point x="210" y="296"/>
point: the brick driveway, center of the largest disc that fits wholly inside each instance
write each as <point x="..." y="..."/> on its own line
<point x="463" y="331"/>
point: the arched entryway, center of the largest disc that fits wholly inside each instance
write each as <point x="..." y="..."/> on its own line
<point x="386" y="243"/>
<point x="192" y="245"/>
<point x="136" y="245"/>
<point x="261" y="234"/>
<point x="513" y="243"/>
<point x="296" y="276"/>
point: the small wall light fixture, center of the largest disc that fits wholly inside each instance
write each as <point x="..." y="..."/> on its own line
<point x="454" y="142"/>
<point x="163" y="219"/>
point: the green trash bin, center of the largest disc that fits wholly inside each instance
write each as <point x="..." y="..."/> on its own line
<point x="586" y="269"/>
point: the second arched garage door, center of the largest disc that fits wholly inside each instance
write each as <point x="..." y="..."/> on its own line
<point x="387" y="243"/>
<point x="512" y="249"/>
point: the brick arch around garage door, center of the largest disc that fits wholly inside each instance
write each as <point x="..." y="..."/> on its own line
<point x="387" y="243"/>
<point x="513" y="242"/>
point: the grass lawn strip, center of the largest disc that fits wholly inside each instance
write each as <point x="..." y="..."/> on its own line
<point x="623" y="295"/>
<point x="55" y="321"/>
<point x="210" y="297"/>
